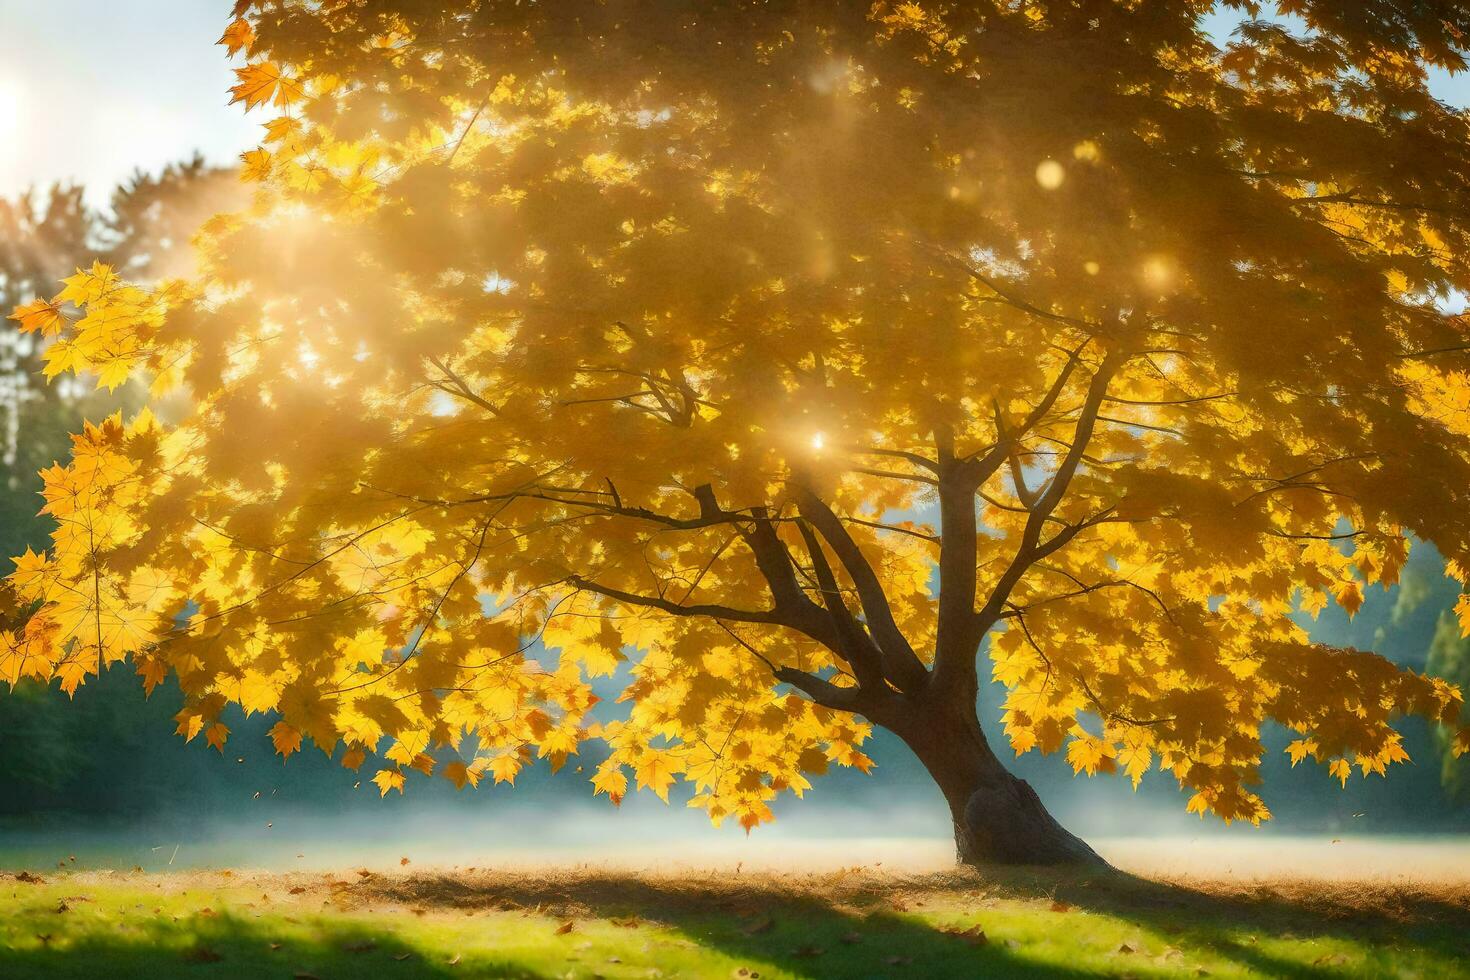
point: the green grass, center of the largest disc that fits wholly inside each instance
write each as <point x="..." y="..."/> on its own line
<point x="604" y="924"/>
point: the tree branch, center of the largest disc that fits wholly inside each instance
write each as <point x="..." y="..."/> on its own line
<point x="901" y="664"/>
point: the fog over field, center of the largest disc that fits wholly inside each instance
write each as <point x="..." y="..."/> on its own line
<point x="248" y="808"/>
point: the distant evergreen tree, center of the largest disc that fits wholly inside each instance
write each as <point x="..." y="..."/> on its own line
<point x="1449" y="657"/>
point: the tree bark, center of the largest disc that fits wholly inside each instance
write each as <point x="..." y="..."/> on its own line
<point x="998" y="818"/>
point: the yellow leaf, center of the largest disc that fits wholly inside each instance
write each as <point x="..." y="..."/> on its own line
<point x="389" y="779"/>
<point x="262" y="80"/>
<point x="610" y="779"/>
<point x="504" y="767"/>
<point x="655" y="770"/>
<point x="39" y="316"/>
<point x="285" y="738"/>
<point x="257" y="165"/>
<point x="216" y="736"/>
<point x="238" y="36"/>
<point x="1087" y="753"/>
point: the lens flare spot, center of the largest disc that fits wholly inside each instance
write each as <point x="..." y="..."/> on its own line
<point x="1050" y="174"/>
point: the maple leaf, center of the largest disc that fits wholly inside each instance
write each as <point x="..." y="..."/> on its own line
<point x="655" y="770"/>
<point x="257" y="165"/>
<point x="1088" y="754"/>
<point x="610" y="779"/>
<point x="1300" y="749"/>
<point x="388" y="779"/>
<point x="216" y="736"/>
<point x="263" y="81"/>
<point x="285" y="738"/>
<point x="505" y="767"/>
<point x="39" y="316"/>
<point x="238" y="36"/>
<point x="1135" y="760"/>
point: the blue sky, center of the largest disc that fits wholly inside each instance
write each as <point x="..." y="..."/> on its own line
<point x="92" y="89"/>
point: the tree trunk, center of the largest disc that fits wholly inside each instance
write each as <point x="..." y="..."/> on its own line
<point x="998" y="818"/>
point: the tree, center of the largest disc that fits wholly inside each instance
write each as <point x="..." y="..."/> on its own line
<point x="1449" y="657"/>
<point x="43" y="235"/>
<point x="780" y="360"/>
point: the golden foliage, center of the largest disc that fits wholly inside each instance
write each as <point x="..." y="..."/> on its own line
<point x="513" y="378"/>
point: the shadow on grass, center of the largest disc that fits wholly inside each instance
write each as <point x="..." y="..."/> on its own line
<point x="804" y="932"/>
<point x="1233" y="920"/>
<point x="221" y="947"/>
<point x="858" y="924"/>
<point x="853" y="926"/>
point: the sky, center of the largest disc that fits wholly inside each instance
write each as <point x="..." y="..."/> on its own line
<point x="92" y="89"/>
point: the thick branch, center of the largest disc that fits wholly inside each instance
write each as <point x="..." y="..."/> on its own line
<point x="900" y="663"/>
<point x="857" y="647"/>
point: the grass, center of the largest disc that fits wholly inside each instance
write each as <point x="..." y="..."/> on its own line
<point x="597" y="923"/>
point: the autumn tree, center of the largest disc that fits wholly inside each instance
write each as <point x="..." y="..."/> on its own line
<point x="785" y="361"/>
<point x="46" y="755"/>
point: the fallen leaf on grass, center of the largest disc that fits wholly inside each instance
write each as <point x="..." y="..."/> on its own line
<point x="400" y="957"/>
<point x="851" y="938"/>
<point x="975" y="935"/>
<point x="207" y="912"/>
<point x="1127" y="948"/>
<point x="564" y="928"/>
<point x="202" y="954"/>
<point x="454" y="960"/>
<point x="899" y="960"/>
<point x="808" y="951"/>
<point x="275" y="946"/>
<point x="360" y="946"/>
<point x="1058" y="905"/>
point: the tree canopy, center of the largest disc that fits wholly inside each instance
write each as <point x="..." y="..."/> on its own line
<point x="780" y="360"/>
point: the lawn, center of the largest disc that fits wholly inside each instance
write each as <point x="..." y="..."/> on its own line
<point x="466" y="922"/>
